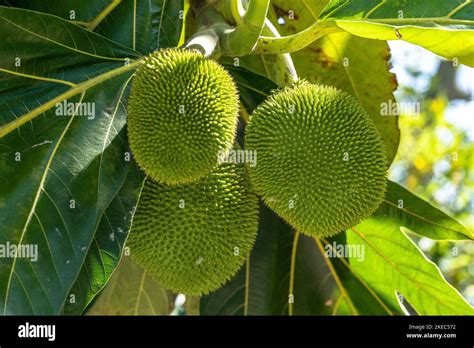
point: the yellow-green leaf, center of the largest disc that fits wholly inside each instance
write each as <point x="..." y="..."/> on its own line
<point x="393" y="264"/>
<point x="445" y="27"/>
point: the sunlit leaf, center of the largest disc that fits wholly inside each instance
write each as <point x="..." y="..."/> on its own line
<point x="393" y="264"/>
<point x="444" y="27"/>
<point x="403" y="208"/>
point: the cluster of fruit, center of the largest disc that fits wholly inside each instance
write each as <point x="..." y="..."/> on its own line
<point x="321" y="166"/>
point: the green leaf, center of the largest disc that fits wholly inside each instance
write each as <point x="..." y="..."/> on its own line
<point x="79" y="10"/>
<point x="277" y="272"/>
<point x="405" y="209"/>
<point x="106" y="249"/>
<point x="145" y="25"/>
<point x="131" y="291"/>
<point x="35" y="30"/>
<point x="58" y="183"/>
<point x="393" y="264"/>
<point x="445" y="27"/>
<point x="355" y="65"/>
<point x="296" y="16"/>
<point x="36" y="75"/>
<point x="54" y="199"/>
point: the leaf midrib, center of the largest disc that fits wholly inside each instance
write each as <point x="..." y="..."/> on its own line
<point x="408" y="21"/>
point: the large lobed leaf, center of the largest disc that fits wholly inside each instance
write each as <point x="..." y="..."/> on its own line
<point x="53" y="163"/>
<point x="55" y="198"/>
<point x="400" y="211"/>
<point x="79" y="10"/>
<point x="60" y="158"/>
<point x="157" y="24"/>
<point x="66" y="181"/>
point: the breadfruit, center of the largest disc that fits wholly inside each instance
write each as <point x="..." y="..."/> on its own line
<point x="192" y="238"/>
<point x="321" y="161"/>
<point x="182" y="113"/>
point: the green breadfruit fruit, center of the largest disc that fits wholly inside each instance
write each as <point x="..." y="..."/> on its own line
<point x="192" y="238"/>
<point x="182" y="115"/>
<point x="321" y="161"/>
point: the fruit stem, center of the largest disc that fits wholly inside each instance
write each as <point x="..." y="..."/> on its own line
<point x="236" y="10"/>
<point x="234" y="30"/>
<point x="295" y="42"/>
<point x="242" y="39"/>
<point x="204" y="41"/>
<point x="232" y="10"/>
<point x="291" y="292"/>
<point x="283" y="70"/>
<point x="226" y="28"/>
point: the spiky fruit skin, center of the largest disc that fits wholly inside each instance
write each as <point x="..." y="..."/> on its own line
<point x="321" y="161"/>
<point x="192" y="238"/>
<point x="182" y="113"/>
